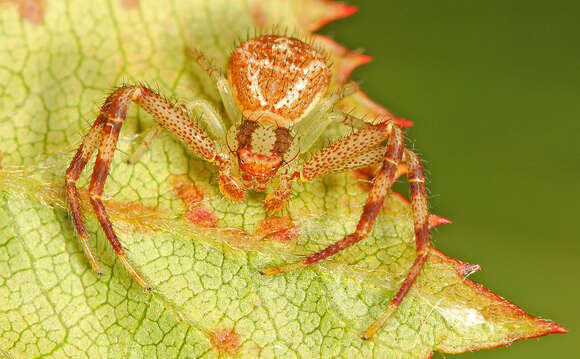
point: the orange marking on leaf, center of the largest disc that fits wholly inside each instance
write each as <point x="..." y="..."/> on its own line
<point x="201" y="216"/>
<point x="186" y="190"/>
<point x="130" y="4"/>
<point x="225" y="341"/>
<point x="134" y="216"/>
<point x="258" y="14"/>
<point x="192" y="196"/>
<point x="333" y="11"/>
<point x="277" y="228"/>
<point x="31" y="10"/>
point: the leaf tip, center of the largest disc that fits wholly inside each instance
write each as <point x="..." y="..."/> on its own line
<point x="277" y="228"/>
<point x="555" y="328"/>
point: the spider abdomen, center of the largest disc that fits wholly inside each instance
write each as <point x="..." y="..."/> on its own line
<point x="277" y="79"/>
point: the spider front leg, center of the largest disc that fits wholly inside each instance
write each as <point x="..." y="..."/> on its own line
<point x="204" y="112"/>
<point x="351" y="156"/>
<point x="106" y="130"/>
<point x="335" y="156"/>
<point x="356" y="150"/>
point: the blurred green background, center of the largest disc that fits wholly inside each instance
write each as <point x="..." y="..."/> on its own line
<point x="494" y="90"/>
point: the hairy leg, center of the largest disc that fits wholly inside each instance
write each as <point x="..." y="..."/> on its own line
<point x="145" y="144"/>
<point x="416" y="178"/>
<point x="343" y="154"/>
<point x="315" y="123"/>
<point x="73" y="173"/>
<point x="106" y="130"/>
<point x="221" y="82"/>
<point x="205" y="113"/>
<point x="382" y="183"/>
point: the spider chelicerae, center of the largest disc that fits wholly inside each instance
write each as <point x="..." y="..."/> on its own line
<point x="276" y="93"/>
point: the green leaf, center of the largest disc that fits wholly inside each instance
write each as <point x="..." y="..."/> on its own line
<point x="59" y="60"/>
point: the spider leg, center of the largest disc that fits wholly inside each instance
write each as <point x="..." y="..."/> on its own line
<point x="205" y="113"/>
<point x="145" y="144"/>
<point x="315" y="123"/>
<point x="106" y="130"/>
<point x="389" y="171"/>
<point x="344" y="154"/>
<point x="416" y="179"/>
<point x="382" y="183"/>
<point x="73" y="173"/>
<point x="111" y="130"/>
<point x="221" y="82"/>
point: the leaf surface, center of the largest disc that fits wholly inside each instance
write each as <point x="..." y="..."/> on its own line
<point x="59" y="60"/>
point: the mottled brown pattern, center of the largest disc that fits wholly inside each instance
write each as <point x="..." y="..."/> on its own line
<point x="244" y="133"/>
<point x="283" y="140"/>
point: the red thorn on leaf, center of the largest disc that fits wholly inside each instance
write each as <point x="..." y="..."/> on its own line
<point x="403" y="122"/>
<point x="335" y="11"/>
<point x="344" y="59"/>
<point x="558" y="329"/>
<point x="345" y="10"/>
<point x="352" y="60"/>
<point x="435" y="221"/>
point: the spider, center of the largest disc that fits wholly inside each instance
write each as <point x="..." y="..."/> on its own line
<point x="276" y="93"/>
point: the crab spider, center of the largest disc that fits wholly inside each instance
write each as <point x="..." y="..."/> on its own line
<point x="278" y="87"/>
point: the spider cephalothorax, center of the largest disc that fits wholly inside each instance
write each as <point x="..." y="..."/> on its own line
<point x="276" y="96"/>
<point x="275" y="82"/>
<point x="260" y="151"/>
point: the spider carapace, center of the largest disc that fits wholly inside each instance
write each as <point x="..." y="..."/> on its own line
<point x="276" y="102"/>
